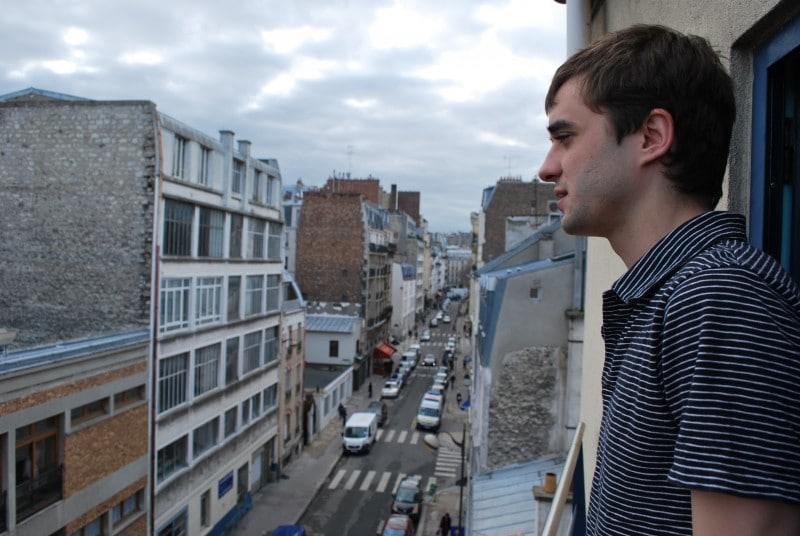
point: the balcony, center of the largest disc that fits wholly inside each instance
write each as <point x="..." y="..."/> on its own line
<point x="39" y="492"/>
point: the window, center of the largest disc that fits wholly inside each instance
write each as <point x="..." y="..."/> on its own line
<point x="171" y="459"/>
<point x="230" y="421"/>
<point x="254" y="294"/>
<point x="271" y="345"/>
<point x="209" y="295"/>
<point x="775" y="210"/>
<point x="204" y="437"/>
<point x="177" y="228"/>
<point x="179" y="157"/>
<point x="212" y="223"/>
<point x="129" y="507"/>
<point x="238" y="177"/>
<point x="172" y="375"/>
<point x="129" y="397"/>
<point x="270" y="397"/>
<point x="38" y="466"/>
<point x="206" y="369"/>
<point x="234" y="291"/>
<point x="174" y="307"/>
<point x="245" y="412"/>
<point x="231" y="360"/>
<point x="274" y="242"/>
<point x="205" y="166"/>
<point x="176" y="527"/>
<point x="255" y="238"/>
<point x="89" y="411"/>
<point x="258" y="178"/>
<point x="93" y="528"/>
<point x="272" y="188"/>
<point x="255" y="405"/>
<point x="333" y="348"/>
<point x="252" y="351"/>
<point x="205" y="509"/>
<point x="237" y="225"/>
<point x="273" y="292"/>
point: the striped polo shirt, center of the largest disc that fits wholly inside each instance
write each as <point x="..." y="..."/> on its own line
<point x="701" y="381"/>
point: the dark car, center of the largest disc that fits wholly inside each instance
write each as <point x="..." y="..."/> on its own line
<point x="380" y="409"/>
<point x="408" y="498"/>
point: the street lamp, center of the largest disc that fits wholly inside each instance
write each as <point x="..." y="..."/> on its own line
<point x="462" y="480"/>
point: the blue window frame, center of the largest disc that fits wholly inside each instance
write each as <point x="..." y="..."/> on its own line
<point x="775" y="186"/>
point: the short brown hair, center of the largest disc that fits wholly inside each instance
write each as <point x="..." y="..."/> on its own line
<point x="628" y="73"/>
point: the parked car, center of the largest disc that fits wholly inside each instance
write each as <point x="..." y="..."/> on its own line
<point x="410" y="357"/>
<point x="426" y="336"/>
<point x="434" y="322"/>
<point x="391" y="389"/>
<point x="289" y="530"/>
<point x="380" y="409"/>
<point x="400" y="376"/>
<point x="408" y="498"/>
<point x="429" y="360"/>
<point x="416" y="349"/>
<point x="398" y="525"/>
<point x="446" y="319"/>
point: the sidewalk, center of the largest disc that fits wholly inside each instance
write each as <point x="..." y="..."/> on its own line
<point x="285" y="501"/>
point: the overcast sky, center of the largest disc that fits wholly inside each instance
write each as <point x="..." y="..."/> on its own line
<point x="443" y="97"/>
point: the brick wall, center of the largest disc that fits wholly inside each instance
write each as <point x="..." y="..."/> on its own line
<point x="76" y="195"/>
<point x="330" y="247"/>
<point x="408" y="202"/>
<point x="512" y="198"/>
<point x="369" y="188"/>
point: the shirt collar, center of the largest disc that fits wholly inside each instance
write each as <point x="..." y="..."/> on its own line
<point x="671" y="252"/>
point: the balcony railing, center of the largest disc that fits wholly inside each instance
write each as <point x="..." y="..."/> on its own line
<point x="553" y="521"/>
<point x="39" y="492"/>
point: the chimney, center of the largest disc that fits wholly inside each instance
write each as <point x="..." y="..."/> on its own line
<point x="244" y="148"/>
<point x="393" y="200"/>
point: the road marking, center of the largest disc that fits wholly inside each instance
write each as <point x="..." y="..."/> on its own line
<point x="389" y="435"/>
<point x="400" y="478"/>
<point x="402" y="437"/>
<point x="379" y="434"/>
<point x="337" y="478"/>
<point x="383" y="482"/>
<point x="414" y="438"/>
<point x="352" y="480"/>
<point x="367" y="481"/>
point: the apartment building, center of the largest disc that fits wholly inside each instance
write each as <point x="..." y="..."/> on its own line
<point x="217" y="353"/>
<point x="74" y="448"/>
<point x="121" y="218"/>
<point x="344" y="255"/>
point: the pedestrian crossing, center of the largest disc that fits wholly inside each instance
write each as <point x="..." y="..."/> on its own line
<point x="373" y="482"/>
<point x="448" y="465"/>
<point x="398" y="436"/>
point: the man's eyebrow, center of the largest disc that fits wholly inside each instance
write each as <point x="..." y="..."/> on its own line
<point x="560" y="124"/>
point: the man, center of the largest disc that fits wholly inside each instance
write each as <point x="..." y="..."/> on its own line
<point x="701" y="404"/>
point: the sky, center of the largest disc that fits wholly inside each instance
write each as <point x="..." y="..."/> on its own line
<point x="443" y="97"/>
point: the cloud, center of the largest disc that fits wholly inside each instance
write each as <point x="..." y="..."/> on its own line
<point x="438" y="97"/>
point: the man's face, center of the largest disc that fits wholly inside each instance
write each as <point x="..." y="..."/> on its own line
<point x="591" y="171"/>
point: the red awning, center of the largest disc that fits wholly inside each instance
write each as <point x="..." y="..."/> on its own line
<point x="384" y="350"/>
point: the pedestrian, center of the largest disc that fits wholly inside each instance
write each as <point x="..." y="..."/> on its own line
<point x="369" y="389"/>
<point x="458" y="399"/>
<point x="452" y="380"/>
<point x="444" y="524"/>
<point x="702" y="333"/>
<point x="342" y="412"/>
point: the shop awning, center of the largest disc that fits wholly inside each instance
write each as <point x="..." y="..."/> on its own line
<point x="384" y="350"/>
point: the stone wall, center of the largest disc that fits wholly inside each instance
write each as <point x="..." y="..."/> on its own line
<point x="524" y="406"/>
<point x="76" y="195"/>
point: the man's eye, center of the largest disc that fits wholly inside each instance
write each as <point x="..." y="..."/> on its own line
<point x="561" y="138"/>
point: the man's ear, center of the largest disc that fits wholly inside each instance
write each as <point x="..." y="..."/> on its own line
<point x="658" y="135"/>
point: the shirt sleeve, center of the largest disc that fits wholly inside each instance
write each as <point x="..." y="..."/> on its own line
<point x="731" y="370"/>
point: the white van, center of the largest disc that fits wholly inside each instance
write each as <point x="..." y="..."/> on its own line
<point x="360" y="432"/>
<point x="429" y="415"/>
